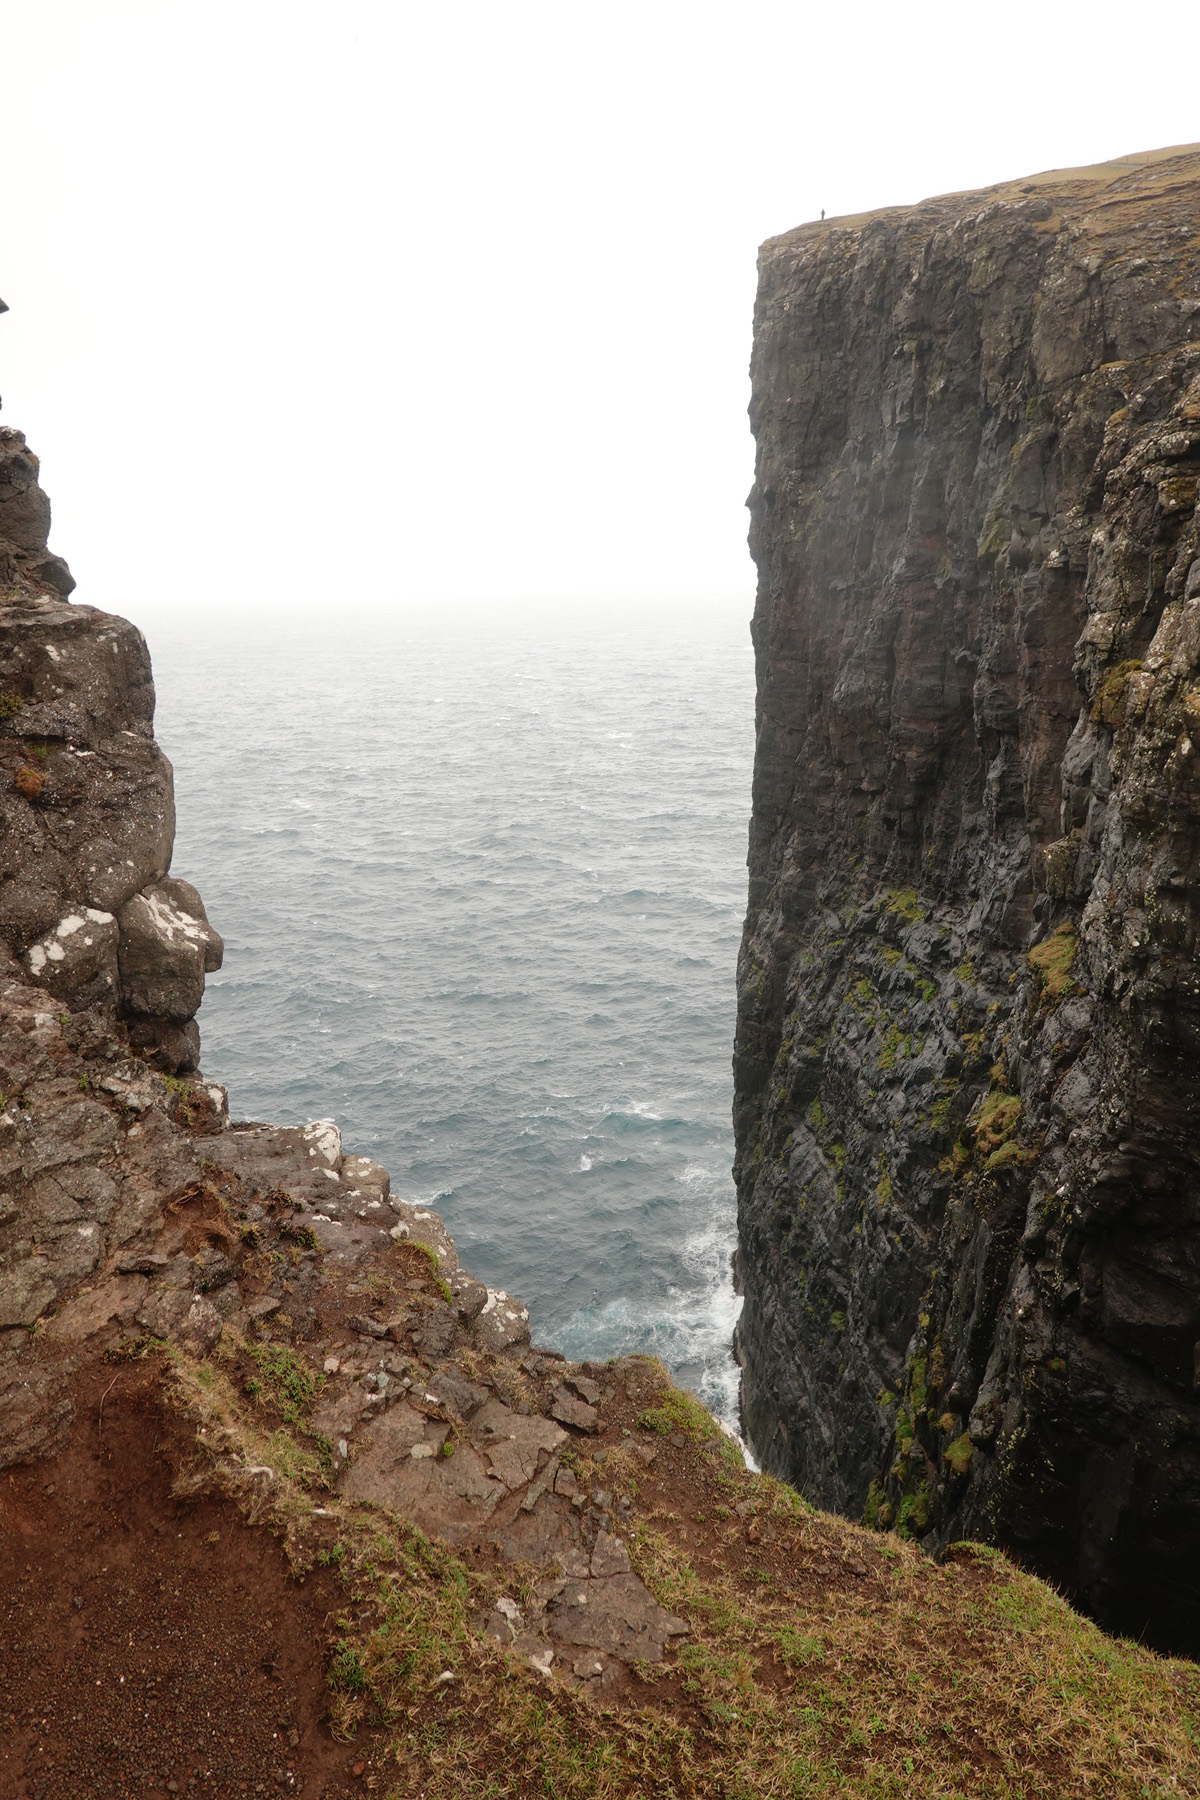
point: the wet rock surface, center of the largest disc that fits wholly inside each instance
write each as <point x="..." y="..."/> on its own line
<point x="966" y="1069"/>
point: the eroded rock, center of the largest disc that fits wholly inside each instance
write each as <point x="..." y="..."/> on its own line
<point x="166" y="947"/>
<point x="501" y="1322"/>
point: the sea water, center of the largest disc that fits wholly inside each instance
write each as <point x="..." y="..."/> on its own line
<point x="480" y="874"/>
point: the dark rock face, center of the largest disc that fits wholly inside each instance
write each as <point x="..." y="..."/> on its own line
<point x="25" y="522"/>
<point x="87" y="812"/>
<point x="967" y="1072"/>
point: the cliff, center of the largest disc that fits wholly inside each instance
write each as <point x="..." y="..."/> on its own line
<point x="967" y="1084"/>
<point x="289" y="1500"/>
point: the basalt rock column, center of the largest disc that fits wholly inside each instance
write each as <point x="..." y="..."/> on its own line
<point x="968" y="1054"/>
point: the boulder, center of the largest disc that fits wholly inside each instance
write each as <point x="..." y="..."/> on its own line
<point x="366" y="1176"/>
<point x="569" y="1411"/>
<point x="26" y="1290"/>
<point x="617" y="1614"/>
<point x="166" y="947"/>
<point x="185" y="1318"/>
<point x="470" y="1296"/>
<point x="89" y="818"/>
<point x="436" y="1333"/>
<point x="118" y="1298"/>
<point x="36" y="1410"/>
<point x="515" y="1444"/>
<point x="502" y="1322"/>
<point x="24" y="507"/>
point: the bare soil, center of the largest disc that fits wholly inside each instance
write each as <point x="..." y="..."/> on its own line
<point x="151" y="1647"/>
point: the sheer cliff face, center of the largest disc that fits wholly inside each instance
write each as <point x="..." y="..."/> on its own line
<point x="968" y="1056"/>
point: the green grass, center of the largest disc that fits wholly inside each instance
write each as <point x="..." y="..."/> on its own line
<point x="290" y="1383"/>
<point x="1052" y="959"/>
<point x="998" y="1120"/>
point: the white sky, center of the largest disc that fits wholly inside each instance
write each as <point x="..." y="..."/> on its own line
<point x="390" y="301"/>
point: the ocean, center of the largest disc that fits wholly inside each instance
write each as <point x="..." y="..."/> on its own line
<point x="480" y="872"/>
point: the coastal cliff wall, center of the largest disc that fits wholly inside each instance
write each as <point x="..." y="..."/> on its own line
<point x="968" y="1051"/>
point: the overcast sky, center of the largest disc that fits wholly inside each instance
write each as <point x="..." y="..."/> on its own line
<point x="395" y="302"/>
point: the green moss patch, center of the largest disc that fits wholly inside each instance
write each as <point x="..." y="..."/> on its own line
<point x="1108" y="707"/>
<point x="904" y="903"/>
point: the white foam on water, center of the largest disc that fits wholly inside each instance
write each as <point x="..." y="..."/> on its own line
<point x="689" y="1329"/>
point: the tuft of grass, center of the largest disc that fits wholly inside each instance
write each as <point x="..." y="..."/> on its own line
<point x="345" y="1673"/>
<point x="291" y="1384"/>
<point x="10" y="704"/>
<point x="1052" y="959"/>
<point x="998" y="1120"/>
<point x="29" y="782"/>
<point x="959" y="1453"/>
<point x="680" y="1411"/>
<point x="1011" y="1156"/>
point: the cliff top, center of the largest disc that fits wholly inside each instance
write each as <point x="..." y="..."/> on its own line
<point x="1131" y="176"/>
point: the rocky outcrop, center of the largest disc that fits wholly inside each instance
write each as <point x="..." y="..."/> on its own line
<point x="87" y="818"/>
<point x="967" y="1084"/>
<point x="133" y="1213"/>
<point x="25" y="559"/>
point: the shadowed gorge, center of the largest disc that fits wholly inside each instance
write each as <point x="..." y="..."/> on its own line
<point x="966" y="1070"/>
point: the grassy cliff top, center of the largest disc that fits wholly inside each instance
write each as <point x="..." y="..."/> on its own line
<point x="1133" y="175"/>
